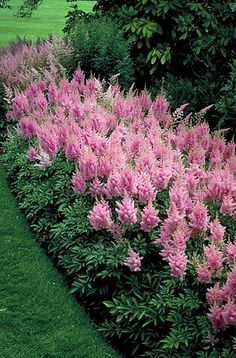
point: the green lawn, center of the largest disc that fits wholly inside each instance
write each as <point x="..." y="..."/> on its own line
<point x="49" y="18"/>
<point x="38" y="318"/>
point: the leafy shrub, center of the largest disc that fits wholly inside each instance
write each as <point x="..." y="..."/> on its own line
<point x="99" y="48"/>
<point x="191" y="35"/>
<point x="189" y="43"/>
<point x="114" y="184"/>
<point x="226" y="104"/>
<point x="198" y="93"/>
<point x="75" y="15"/>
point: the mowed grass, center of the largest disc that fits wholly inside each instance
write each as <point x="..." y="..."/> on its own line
<point x="38" y="318"/>
<point x="48" y="18"/>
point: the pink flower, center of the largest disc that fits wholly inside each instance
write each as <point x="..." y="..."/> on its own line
<point x="20" y="105"/>
<point x="48" y="140"/>
<point x="100" y="216"/>
<point x="112" y="187"/>
<point x="104" y="167"/>
<point x="231" y="253"/>
<point x="229" y="314"/>
<point x="28" y="127"/>
<point x="231" y="281"/>
<point x="214" y="295"/>
<point x="44" y="160"/>
<point x="161" y="105"/>
<point x="32" y="154"/>
<point x="216" y="318"/>
<point x="127" y="181"/>
<point x="97" y="187"/>
<point x="78" y="182"/>
<point x="197" y="156"/>
<point x="198" y="217"/>
<point x="150" y="218"/>
<point x="204" y="274"/>
<point x="72" y="150"/>
<point x="133" y="261"/>
<point x="217" y="230"/>
<point x="126" y="211"/>
<point x="88" y="165"/>
<point x="228" y="206"/>
<point x="145" y="189"/>
<point x="214" y="257"/>
<point x="79" y="75"/>
<point x="177" y="262"/>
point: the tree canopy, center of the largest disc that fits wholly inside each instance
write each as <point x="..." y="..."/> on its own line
<point x="26" y="8"/>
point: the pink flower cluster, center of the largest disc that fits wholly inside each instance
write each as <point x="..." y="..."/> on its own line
<point x="24" y="63"/>
<point x="127" y="151"/>
<point x="222" y="300"/>
<point x="133" y="261"/>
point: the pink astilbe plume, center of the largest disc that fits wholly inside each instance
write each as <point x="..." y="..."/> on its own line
<point x="177" y="262"/>
<point x="28" y="127"/>
<point x="32" y="154"/>
<point x="33" y="62"/>
<point x="100" y="216"/>
<point x="199" y="217"/>
<point x="231" y="253"/>
<point x="133" y="261"/>
<point x="126" y="211"/>
<point x="78" y="183"/>
<point x="48" y="140"/>
<point x="217" y="230"/>
<point x="145" y="190"/>
<point x="203" y="273"/>
<point x="88" y="165"/>
<point x="214" y="257"/>
<point x="228" y="206"/>
<point x="127" y="181"/>
<point x="97" y="188"/>
<point x="72" y="149"/>
<point x="149" y="217"/>
<point x="112" y="187"/>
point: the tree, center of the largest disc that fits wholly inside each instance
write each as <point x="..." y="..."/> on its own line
<point x="26" y="8"/>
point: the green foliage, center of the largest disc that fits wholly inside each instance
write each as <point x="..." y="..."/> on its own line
<point x="4" y="3"/>
<point x="99" y="48"/>
<point x="73" y="16"/>
<point x="190" y="43"/>
<point x="226" y="104"/>
<point x="190" y="34"/>
<point x="28" y="7"/>
<point x="201" y="92"/>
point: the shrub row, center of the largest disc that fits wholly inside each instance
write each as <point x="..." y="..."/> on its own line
<point x="137" y="206"/>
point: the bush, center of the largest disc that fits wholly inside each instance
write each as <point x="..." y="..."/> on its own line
<point x="113" y="185"/>
<point x="198" y="93"/>
<point x="191" y="40"/>
<point x="99" y="48"/>
<point x="226" y="104"/>
<point x="191" y="35"/>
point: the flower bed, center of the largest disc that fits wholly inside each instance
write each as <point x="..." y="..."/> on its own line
<point x="138" y="206"/>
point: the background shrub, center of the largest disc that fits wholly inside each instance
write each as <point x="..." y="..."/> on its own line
<point x="189" y="35"/>
<point x="98" y="47"/>
<point x="186" y="42"/>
